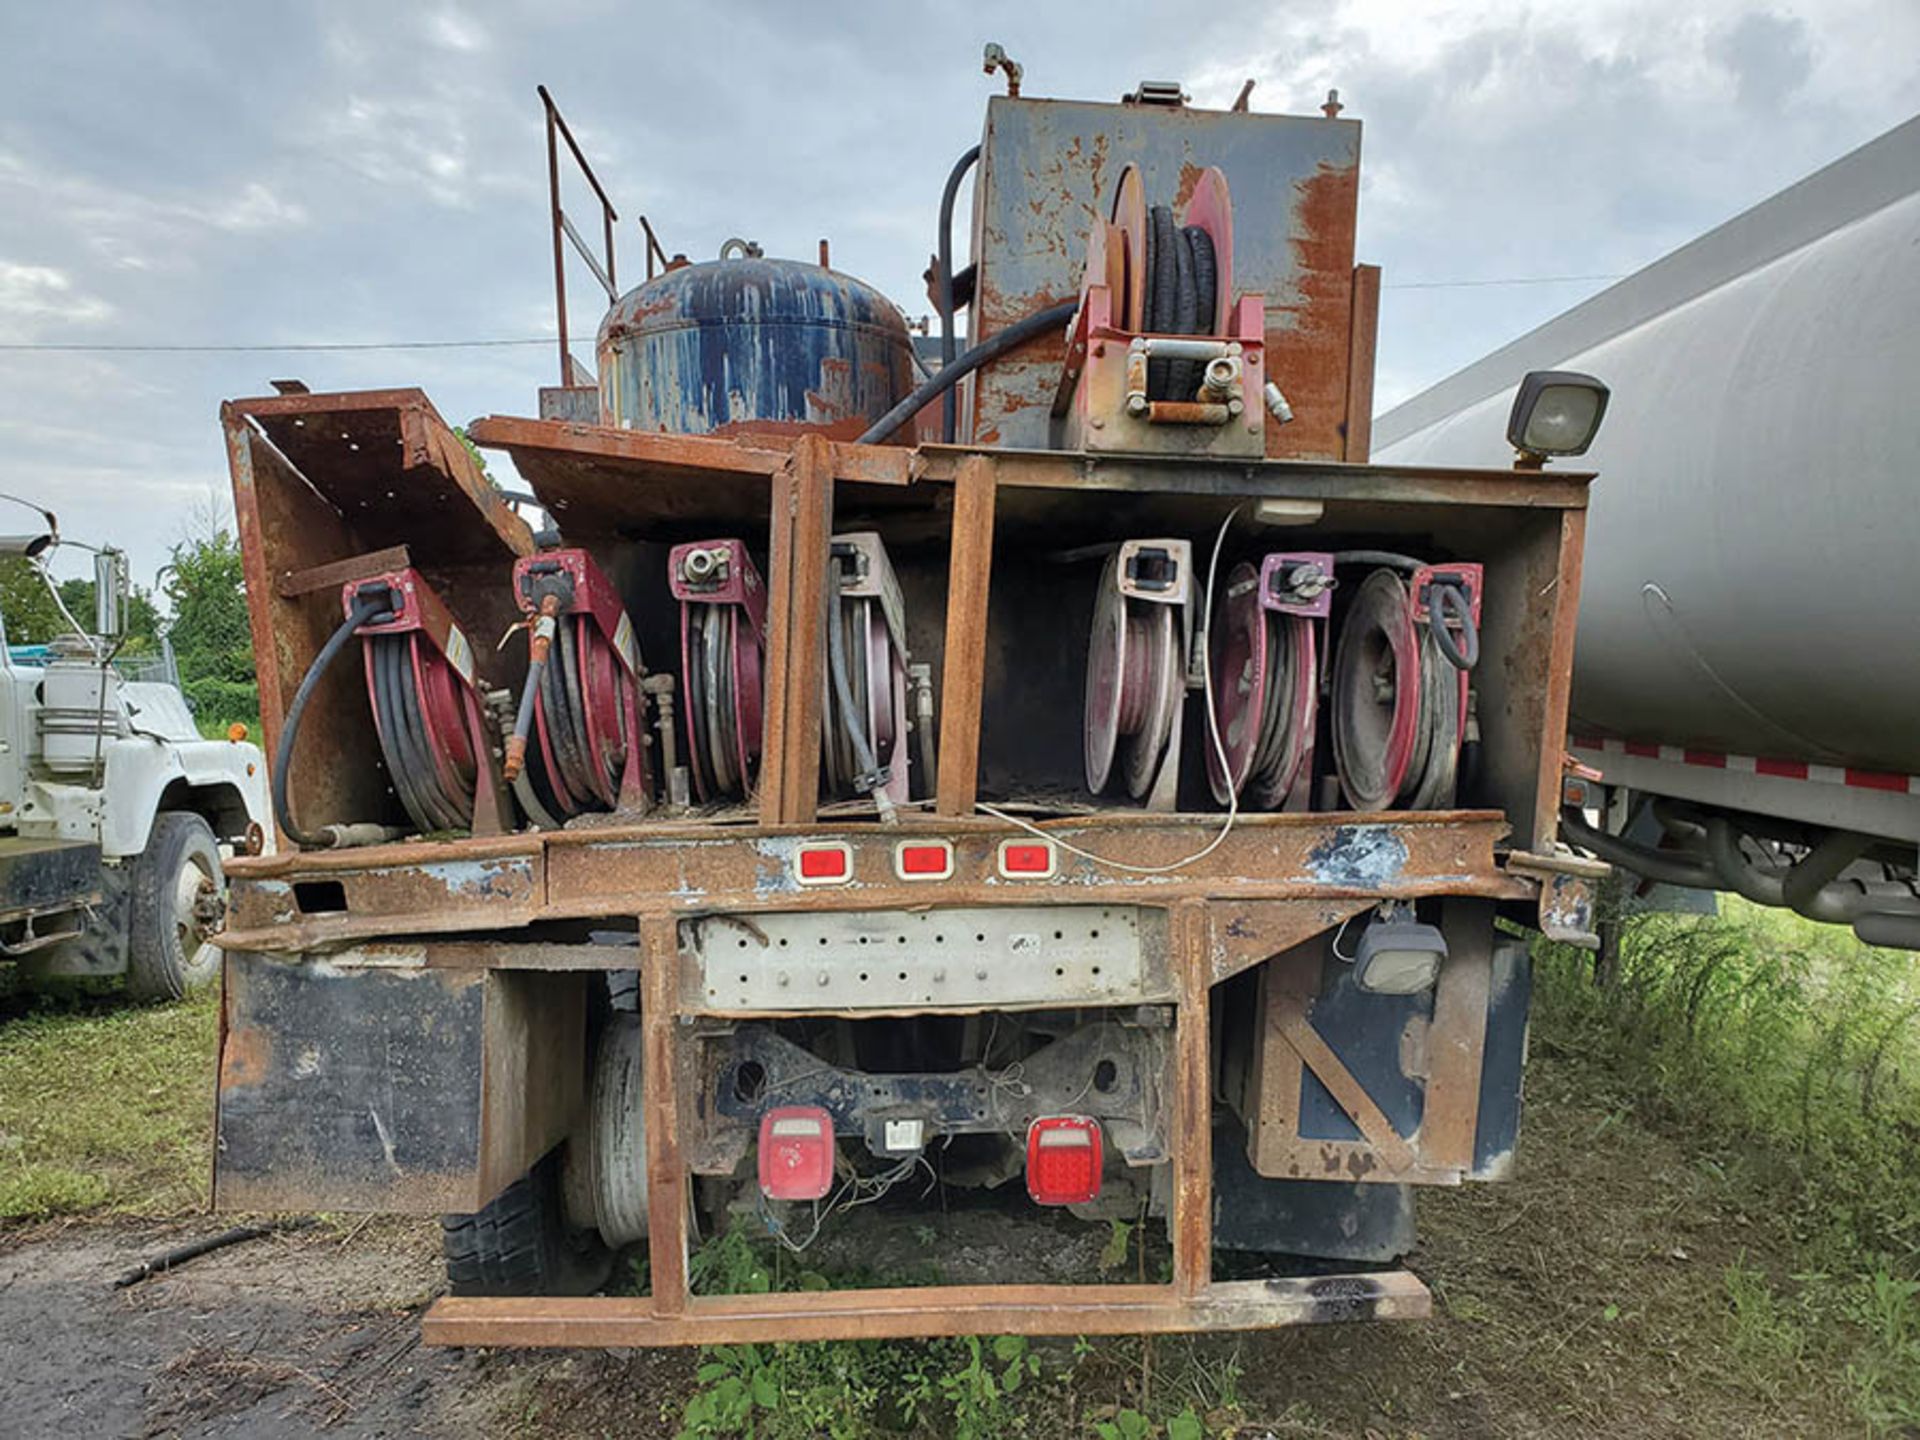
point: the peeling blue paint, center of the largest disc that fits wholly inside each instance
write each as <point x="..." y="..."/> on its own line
<point x="1359" y="857"/>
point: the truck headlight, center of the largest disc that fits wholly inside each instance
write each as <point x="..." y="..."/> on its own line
<point x="1556" y="412"/>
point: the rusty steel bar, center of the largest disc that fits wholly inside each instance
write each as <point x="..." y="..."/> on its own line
<point x="557" y="130"/>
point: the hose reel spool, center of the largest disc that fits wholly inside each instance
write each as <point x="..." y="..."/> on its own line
<point x="864" y="717"/>
<point x="1400" y="682"/>
<point x="1266" y="644"/>
<point x="580" y="741"/>
<point x="723" y="614"/>
<point x="427" y="707"/>
<point x="1136" y="669"/>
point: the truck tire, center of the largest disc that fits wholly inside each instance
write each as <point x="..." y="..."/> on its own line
<point x="169" y="951"/>
<point x="521" y="1244"/>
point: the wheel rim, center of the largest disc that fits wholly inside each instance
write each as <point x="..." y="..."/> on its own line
<point x="192" y="885"/>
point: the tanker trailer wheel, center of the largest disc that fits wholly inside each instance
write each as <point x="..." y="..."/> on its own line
<point x="522" y="1244"/>
<point x="177" y="901"/>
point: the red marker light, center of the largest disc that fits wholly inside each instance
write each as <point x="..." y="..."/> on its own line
<point x="1063" y="1160"/>
<point x="824" y="862"/>
<point x="796" y="1153"/>
<point x="1026" y="859"/>
<point x="923" y="860"/>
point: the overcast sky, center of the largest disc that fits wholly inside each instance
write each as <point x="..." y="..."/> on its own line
<point x="210" y="173"/>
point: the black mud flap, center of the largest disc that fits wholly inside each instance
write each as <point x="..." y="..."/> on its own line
<point x="405" y="1090"/>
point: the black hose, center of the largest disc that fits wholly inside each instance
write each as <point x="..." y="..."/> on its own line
<point x="1389" y="558"/>
<point x="992" y="348"/>
<point x="1206" y="277"/>
<point x="866" y="765"/>
<point x="948" y="419"/>
<point x="366" y="607"/>
<point x="1442" y="597"/>
<point x="1689" y="871"/>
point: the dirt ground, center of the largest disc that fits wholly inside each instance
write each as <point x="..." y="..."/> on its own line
<point x="1586" y="1298"/>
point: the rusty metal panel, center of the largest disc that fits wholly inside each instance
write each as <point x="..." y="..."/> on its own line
<point x="294" y="901"/>
<point x="1409" y="1089"/>
<point x="1047" y="167"/>
<point x="402" y="1090"/>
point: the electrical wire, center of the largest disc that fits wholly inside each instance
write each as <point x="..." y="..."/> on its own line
<point x="1213" y="733"/>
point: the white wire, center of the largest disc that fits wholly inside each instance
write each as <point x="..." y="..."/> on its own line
<point x="1213" y="732"/>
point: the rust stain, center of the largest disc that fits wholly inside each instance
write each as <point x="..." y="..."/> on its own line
<point x="1307" y="339"/>
<point x="244" y="1057"/>
<point x="1190" y="174"/>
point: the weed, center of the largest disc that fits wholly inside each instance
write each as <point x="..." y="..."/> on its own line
<point x="846" y="1389"/>
<point x="1797" y="1049"/>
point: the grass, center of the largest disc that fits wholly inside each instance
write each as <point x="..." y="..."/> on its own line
<point x="106" y="1106"/>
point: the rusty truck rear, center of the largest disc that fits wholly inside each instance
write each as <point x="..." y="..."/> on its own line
<point x="1077" y="775"/>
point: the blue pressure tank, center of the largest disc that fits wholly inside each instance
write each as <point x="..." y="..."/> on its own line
<point x="742" y="345"/>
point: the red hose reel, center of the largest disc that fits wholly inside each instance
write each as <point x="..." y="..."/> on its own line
<point x="580" y="743"/>
<point x="427" y="708"/>
<point x="1400" y="686"/>
<point x="1265" y="667"/>
<point x="1136" y="670"/>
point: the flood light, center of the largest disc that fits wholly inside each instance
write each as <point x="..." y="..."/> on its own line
<point x="1556" y="412"/>
<point x="1398" y="957"/>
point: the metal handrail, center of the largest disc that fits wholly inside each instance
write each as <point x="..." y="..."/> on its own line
<point x="563" y="230"/>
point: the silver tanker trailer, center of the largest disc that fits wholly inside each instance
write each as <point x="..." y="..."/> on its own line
<point x="1747" y="673"/>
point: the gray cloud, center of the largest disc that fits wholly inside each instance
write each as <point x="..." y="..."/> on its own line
<point x="353" y="171"/>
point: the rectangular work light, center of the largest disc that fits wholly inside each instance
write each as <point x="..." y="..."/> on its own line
<point x="1556" y="412"/>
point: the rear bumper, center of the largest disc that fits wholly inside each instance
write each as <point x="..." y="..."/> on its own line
<point x="926" y="1313"/>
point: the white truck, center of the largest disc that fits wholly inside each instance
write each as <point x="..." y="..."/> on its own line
<point x="114" y="812"/>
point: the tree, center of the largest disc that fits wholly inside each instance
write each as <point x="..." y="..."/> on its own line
<point x="140" y="625"/>
<point x="212" y="640"/>
<point x="31" y="616"/>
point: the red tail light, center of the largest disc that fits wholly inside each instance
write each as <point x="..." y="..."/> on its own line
<point x="923" y="860"/>
<point x="1026" y="860"/>
<point x="824" y="862"/>
<point x="1063" y="1160"/>
<point x="796" y="1153"/>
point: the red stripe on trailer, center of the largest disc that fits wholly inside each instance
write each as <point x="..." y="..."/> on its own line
<point x="1773" y="769"/>
<point x="1876" y="780"/>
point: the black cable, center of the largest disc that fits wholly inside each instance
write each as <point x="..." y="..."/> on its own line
<point x="1442" y="597"/>
<point x="1181" y="383"/>
<point x="948" y="419"/>
<point x="992" y="348"/>
<point x="1161" y="269"/>
<point x="366" y="607"/>
<point x="386" y="721"/>
<point x="1389" y="558"/>
<point x="1690" y="871"/>
<point x="1206" y="277"/>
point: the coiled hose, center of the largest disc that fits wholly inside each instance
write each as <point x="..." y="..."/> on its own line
<point x="368" y="606"/>
<point x="1181" y="297"/>
<point x="989" y="349"/>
